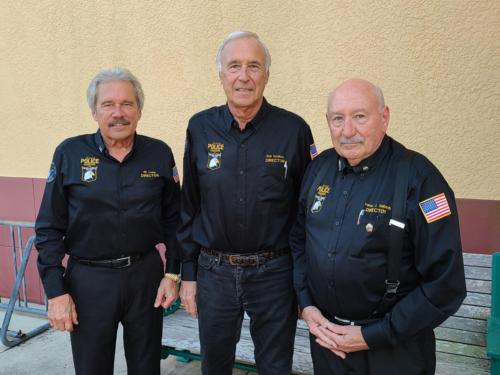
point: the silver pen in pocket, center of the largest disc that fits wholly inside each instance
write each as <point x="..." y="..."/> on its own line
<point x="361" y="213"/>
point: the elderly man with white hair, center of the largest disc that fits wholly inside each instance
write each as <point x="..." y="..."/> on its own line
<point x="243" y="166"/>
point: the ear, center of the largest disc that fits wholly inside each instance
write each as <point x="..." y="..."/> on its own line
<point x="94" y="115"/>
<point x="140" y="114"/>
<point x="385" y="118"/>
<point x="268" y="73"/>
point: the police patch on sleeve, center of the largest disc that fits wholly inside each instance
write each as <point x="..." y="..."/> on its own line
<point x="52" y="173"/>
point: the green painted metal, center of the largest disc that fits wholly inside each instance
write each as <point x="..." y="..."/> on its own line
<point x="493" y="336"/>
<point x="172" y="308"/>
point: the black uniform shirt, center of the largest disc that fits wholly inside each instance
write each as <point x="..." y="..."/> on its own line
<point x="240" y="188"/>
<point x="341" y="237"/>
<point x="95" y="207"/>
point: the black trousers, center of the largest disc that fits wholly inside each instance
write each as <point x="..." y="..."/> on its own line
<point x="266" y="293"/>
<point x="416" y="356"/>
<point x="105" y="297"/>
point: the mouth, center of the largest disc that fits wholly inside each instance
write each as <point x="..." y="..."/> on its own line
<point x="118" y="123"/>
<point x="242" y="89"/>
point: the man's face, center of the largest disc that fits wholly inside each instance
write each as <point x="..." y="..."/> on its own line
<point x="117" y="111"/>
<point x="356" y="121"/>
<point x="243" y="73"/>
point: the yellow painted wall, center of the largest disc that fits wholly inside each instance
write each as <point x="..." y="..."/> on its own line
<point x="438" y="63"/>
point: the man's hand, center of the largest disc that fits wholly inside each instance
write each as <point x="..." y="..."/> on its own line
<point x="347" y="338"/>
<point x="62" y="313"/>
<point x="316" y="323"/>
<point x="167" y="293"/>
<point x="188" y="297"/>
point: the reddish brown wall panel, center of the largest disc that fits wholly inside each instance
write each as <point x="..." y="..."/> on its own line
<point x="20" y="200"/>
<point x="479" y="225"/>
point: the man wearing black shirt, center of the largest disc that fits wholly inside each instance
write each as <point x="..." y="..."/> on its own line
<point x="110" y="198"/>
<point x="243" y="166"/>
<point x="340" y="245"/>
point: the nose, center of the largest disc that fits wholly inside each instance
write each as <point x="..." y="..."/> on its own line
<point x="243" y="76"/>
<point x="349" y="129"/>
<point x="117" y="111"/>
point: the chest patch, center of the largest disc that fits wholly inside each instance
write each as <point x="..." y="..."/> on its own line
<point x="214" y="155"/>
<point x="89" y="165"/>
<point x="149" y="174"/>
<point x="319" y="198"/>
<point x="377" y="208"/>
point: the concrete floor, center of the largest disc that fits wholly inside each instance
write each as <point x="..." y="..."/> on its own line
<point x="50" y="353"/>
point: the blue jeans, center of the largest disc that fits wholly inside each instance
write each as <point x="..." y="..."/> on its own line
<point x="265" y="292"/>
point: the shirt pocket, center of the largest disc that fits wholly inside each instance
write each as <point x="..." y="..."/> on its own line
<point x="272" y="183"/>
<point x="371" y="237"/>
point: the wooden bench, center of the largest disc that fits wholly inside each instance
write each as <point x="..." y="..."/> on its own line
<point x="460" y="344"/>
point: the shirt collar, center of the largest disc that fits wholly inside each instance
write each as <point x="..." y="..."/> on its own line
<point x="367" y="164"/>
<point x="229" y="120"/>
<point x="101" y="146"/>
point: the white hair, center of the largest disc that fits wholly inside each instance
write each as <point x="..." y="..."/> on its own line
<point x="240" y="35"/>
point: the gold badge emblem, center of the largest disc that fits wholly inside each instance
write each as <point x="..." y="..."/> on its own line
<point x="89" y="166"/>
<point x="319" y="198"/>
<point x="214" y="155"/>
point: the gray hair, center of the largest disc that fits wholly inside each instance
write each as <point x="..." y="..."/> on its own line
<point x="380" y="96"/>
<point x="114" y="74"/>
<point x="240" y="35"/>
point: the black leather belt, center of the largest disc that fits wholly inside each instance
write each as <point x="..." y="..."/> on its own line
<point x="122" y="262"/>
<point x="245" y="260"/>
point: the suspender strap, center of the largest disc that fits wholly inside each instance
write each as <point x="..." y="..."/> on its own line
<point x="397" y="231"/>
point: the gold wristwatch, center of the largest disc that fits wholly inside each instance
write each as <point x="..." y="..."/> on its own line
<point x="173" y="276"/>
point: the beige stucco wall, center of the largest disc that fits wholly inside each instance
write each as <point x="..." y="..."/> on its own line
<point x="437" y="61"/>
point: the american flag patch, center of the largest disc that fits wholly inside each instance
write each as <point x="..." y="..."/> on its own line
<point x="175" y="174"/>
<point x="435" y="208"/>
<point x="313" y="151"/>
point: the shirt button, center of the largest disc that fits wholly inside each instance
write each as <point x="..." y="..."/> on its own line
<point x="337" y="223"/>
<point x="345" y="193"/>
<point x="242" y="200"/>
<point x="242" y="145"/>
<point x="241" y="225"/>
<point x="242" y="172"/>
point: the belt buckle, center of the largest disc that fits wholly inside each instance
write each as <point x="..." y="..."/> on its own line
<point x="234" y="260"/>
<point x="345" y="321"/>
<point x="242" y="260"/>
<point x="128" y="259"/>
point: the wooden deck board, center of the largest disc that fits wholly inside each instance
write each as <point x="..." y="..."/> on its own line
<point x="460" y="340"/>
<point x="459" y="335"/>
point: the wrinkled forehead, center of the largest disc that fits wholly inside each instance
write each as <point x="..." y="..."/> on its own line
<point x="246" y="48"/>
<point x="115" y="88"/>
<point x="351" y="97"/>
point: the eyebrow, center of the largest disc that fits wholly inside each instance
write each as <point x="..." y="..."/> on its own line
<point x="239" y="62"/>
<point x="353" y="111"/>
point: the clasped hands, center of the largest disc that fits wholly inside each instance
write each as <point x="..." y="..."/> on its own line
<point x="339" y="339"/>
